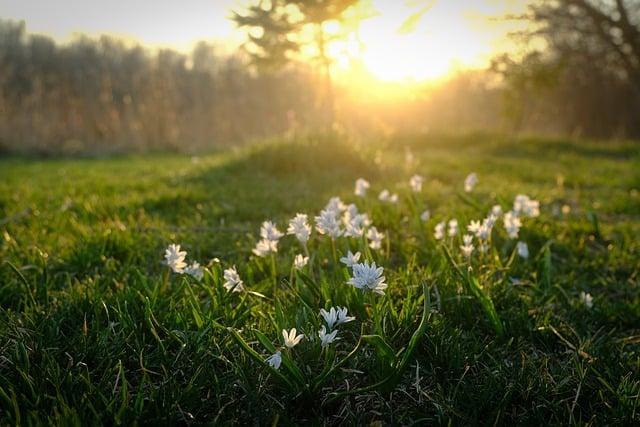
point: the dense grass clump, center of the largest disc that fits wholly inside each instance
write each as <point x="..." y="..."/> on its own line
<point x="96" y="328"/>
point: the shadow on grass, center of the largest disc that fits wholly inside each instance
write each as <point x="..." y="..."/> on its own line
<point x="272" y="180"/>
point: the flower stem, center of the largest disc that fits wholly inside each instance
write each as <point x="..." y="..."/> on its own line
<point x="333" y="251"/>
<point x="274" y="275"/>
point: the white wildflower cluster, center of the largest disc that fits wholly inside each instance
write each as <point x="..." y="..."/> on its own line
<point x="334" y="317"/>
<point x="337" y="220"/>
<point x="451" y="229"/>
<point x="523" y="207"/>
<point x="175" y="259"/>
<point x="480" y="231"/>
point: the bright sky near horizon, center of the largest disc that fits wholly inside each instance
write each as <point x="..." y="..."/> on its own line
<point x="452" y="34"/>
<point x="171" y="23"/>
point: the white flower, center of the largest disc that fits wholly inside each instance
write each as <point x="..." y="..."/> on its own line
<point x="453" y="227"/>
<point x="470" y="181"/>
<point x="354" y="222"/>
<point x="331" y="316"/>
<point x="496" y="210"/>
<point x="327" y="223"/>
<point x="300" y="261"/>
<point x="233" y="281"/>
<point x="195" y="271"/>
<point x="275" y="360"/>
<point x="586" y="299"/>
<point x="386" y="196"/>
<point x="368" y="277"/>
<point x="467" y="248"/>
<point x="350" y="259"/>
<point x="474" y="227"/>
<point x="342" y="316"/>
<point x="523" y="205"/>
<point x="490" y="221"/>
<point x="299" y="227"/>
<point x="264" y="247"/>
<point x="512" y="224"/>
<point x="290" y="338"/>
<point x="268" y="231"/>
<point x="335" y="316"/>
<point x="523" y="250"/>
<point x="362" y="185"/>
<point x="375" y="238"/>
<point x="416" y="183"/>
<point x="350" y="212"/>
<point x="174" y="258"/>
<point x="484" y="232"/>
<point x="325" y="338"/>
<point x="424" y="216"/>
<point x="336" y="205"/>
<point x="438" y="231"/>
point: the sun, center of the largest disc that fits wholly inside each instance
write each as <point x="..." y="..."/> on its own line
<point x="444" y="39"/>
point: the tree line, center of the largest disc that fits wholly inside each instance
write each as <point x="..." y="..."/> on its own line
<point x="105" y="95"/>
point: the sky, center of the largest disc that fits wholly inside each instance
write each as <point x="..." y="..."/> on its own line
<point x="167" y="23"/>
<point x="451" y="34"/>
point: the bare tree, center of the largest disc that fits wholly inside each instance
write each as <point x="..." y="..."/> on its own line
<point x="276" y="31"/>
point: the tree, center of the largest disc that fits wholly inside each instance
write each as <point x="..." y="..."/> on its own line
<point x="583" y="74"/>
<point x="605" y="30"/>
<point x="279" y="29"/>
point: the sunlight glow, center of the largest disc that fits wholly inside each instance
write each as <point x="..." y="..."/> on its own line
<point x="432" y="50"/>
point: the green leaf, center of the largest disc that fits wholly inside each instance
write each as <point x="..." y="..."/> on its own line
<point x="258" y="358"/>
<point x="385" y="351"/>
<point x="289" y="365"/>
<point x="483" y="297"/>
<point x="547" y="267"/>
<point x="487" y="305"/>
<point x="417" y="335"/>
<point x="396" y="376"/>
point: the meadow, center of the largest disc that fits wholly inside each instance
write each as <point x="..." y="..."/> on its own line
<point x="96" y="328"/>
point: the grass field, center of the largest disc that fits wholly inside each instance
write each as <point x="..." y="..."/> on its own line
<point x="95" y="328"/>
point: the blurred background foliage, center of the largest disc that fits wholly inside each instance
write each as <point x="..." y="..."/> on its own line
<point x="577" y="74"/>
